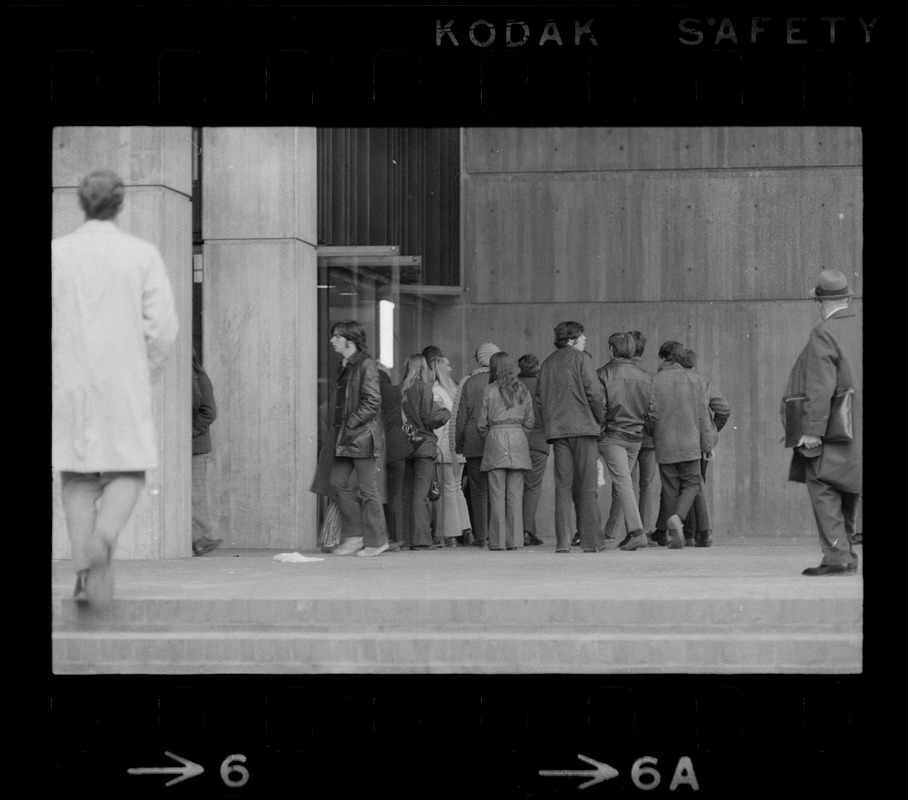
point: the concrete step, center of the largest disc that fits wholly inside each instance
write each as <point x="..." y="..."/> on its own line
<point x="472" y="650"/>
<point x="165" y="614"/>
<point x="444" y="635"/>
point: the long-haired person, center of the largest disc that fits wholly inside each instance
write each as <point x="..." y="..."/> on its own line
<point x="505" y="420"/>
<point x="420" y="410"/>
<point x="359" y="444"/>
<point x="455" y="516"/>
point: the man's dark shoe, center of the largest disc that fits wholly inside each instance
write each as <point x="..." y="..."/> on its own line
<point x="205" y="545"/>
<point x="825" y="570"/>
<point x="466" y="537"/>
<point x="704" y="539"/>
<point x="689" y="541"/>
<point x="856" y="538"/>
<point x="451" y="541"/>
<point x="479" y="542"/>
<point x="660" y="538"/>
<point x="530" y="539"/>
<point x="575" y="542"/>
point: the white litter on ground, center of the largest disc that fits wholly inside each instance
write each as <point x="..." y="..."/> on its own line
<point x="295" y="558"/>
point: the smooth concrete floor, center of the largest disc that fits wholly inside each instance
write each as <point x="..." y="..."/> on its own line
<point x="724" y="571"/>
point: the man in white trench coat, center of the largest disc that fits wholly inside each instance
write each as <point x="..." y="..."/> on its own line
<point x="114" y="325"/>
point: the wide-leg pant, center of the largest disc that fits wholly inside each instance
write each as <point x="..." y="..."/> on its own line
<point x="455" y="518"/>
<point x="835" y="513"/>
<point x="479" y="498"/>
<point x="680" y="484"/>
<point x="575" y="486"/>
<point x="201" y="508"/>
<point x="619" y="460"/>
<point x="356" y="491"/>
<point x="394" y="472"/>
<point x="505" y="508"/>
<point x="532" y="488"/>
<point x="418" y="473"/>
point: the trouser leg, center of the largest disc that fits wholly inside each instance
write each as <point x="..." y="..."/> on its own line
<point x="343" y="483"/>
<point x="421" y="471"/>
<point x="514" y="508"/>
<point x="497" y="479"/>
<point x="532" y="489"/>
<point x="394" y="471"/>
<point x="585" y="452"/>
<point x="372" y="515"/>
<point x="479" y="498"/>
<point x="686" y="484"/>
<point x="201" y="508"/>
<point x="564" y="493"/>
<point x="828" y="503"/>
<point x="649" y="488"/>
<point x="619" y="460"/>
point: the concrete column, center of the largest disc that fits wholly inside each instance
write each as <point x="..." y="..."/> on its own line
<point x="156" y="166"/>
<point x="260" y="328"/>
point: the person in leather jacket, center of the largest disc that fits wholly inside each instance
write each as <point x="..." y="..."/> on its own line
<point x="359" y="444"/>
<point x="627" y="389"/>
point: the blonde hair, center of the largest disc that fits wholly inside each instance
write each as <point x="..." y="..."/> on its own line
<point x="416" y="370"/>
<point x="442" y="369"/>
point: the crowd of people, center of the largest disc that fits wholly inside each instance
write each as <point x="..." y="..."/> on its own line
<point x="432" y="463"/>
<point x="393" y="455"/>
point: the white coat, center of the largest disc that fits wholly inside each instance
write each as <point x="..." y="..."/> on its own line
<point x="114" y="324"/>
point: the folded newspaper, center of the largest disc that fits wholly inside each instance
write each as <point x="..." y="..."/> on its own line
<point x="295" y="558"/>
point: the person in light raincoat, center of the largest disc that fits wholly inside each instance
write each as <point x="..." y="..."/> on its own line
<point x="114" y="325"/>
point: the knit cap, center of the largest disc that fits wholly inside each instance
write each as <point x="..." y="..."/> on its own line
<point x="485" y="351"/>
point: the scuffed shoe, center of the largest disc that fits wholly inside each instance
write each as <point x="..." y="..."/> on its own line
<point x="349" y="546"/>
<point x="451" y="541"/>
<point x="827" y="570"/>
<point x="704" y="539"/>
<point x="610" y="544"/>
<point x="531" y="539"/>
<point x="368" y="552"/>
<point x="635" y="542"/>
<point x="205" y="545"/>
<point x="659" y="538"/>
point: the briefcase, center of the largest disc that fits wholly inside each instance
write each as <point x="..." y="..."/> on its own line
<point x="838" y="429"/>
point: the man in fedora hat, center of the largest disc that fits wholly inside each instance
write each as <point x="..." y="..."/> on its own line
<point x="832" y="470"/>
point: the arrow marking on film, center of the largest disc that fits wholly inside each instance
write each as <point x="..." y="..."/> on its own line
<point x="603" y="772"/>
<point x="188" y="770"/>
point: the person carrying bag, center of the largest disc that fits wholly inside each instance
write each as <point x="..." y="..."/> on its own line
<point x="424" y="416"/>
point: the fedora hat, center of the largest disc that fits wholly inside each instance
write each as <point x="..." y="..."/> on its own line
<point x="831" y="285"/>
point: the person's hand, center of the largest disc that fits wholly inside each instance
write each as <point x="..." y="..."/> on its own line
<point x="809" y="442"/>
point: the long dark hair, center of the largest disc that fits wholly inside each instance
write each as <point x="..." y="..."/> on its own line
<point x="503" y="374"/>
<point x="352" y="331"/>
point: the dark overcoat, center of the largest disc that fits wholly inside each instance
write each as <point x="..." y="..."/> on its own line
<point x="832" y="359"/>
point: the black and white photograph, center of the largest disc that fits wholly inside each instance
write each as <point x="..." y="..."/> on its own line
<point x="444" y="382"/>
